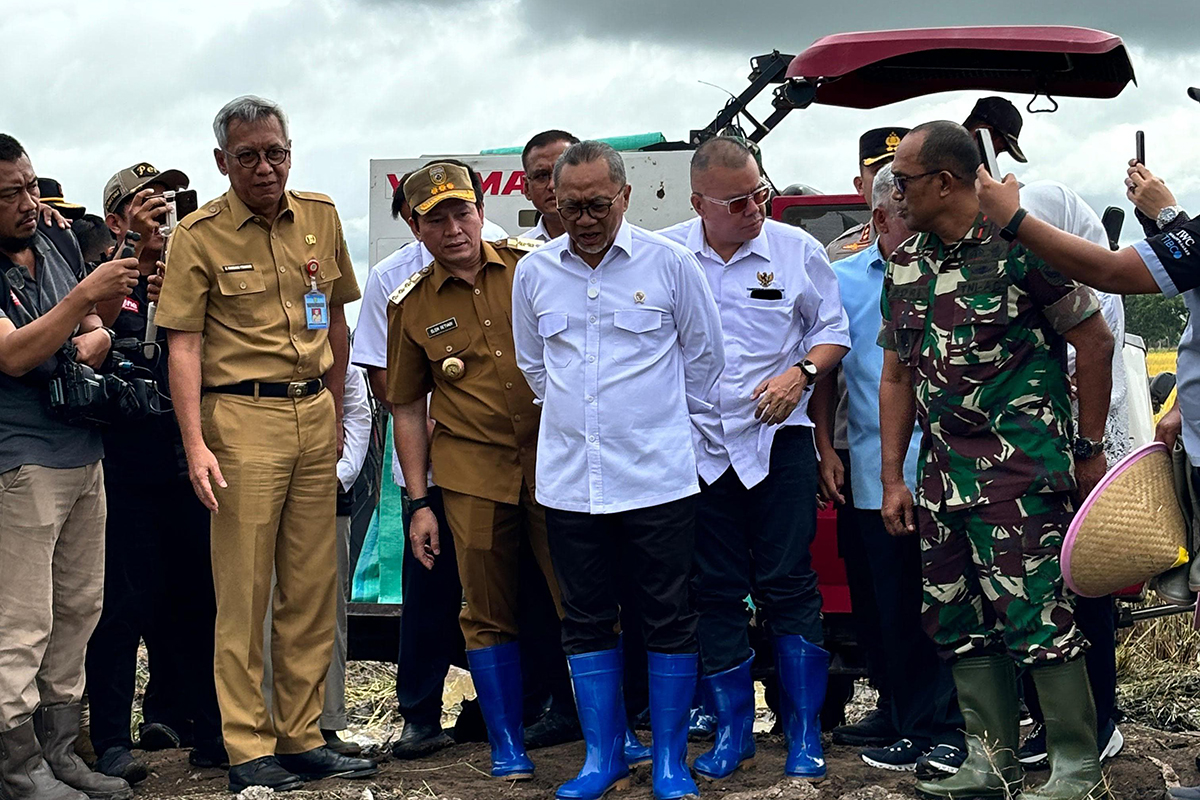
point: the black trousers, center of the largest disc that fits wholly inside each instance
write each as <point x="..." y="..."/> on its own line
<point x="648" y="550"/>
<point x="546" y="678"/>
<point x="430" y="637"/>
<point x="158" y="587"/>
<point x="921" y="687"/>
<point x="756" y="542"/>
<point x="1096" y="619"/>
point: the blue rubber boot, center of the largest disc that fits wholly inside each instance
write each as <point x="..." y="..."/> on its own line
<point x="496" y="672"/>
<point x="732" y="695"/>
<point x="597" y="681"/>
<point x="636" y="753"/>
<point x="803" y="674"/>
<point x="672" y="686"/>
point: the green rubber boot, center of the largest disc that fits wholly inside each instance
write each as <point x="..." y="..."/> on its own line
<point x="987" y="695"/>
<point x="1070" y="715"/>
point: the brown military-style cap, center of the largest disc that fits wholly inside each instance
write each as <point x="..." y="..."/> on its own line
<point x="131" y="180"/>
<point x="430" y="185"/>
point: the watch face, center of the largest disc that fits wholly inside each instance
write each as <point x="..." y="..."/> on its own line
<point x="1167" y="215"/>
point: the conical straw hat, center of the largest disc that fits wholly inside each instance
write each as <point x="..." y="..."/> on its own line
<point x="1129" y="529"/>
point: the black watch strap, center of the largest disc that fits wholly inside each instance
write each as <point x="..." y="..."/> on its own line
<point x="415" y="504"/>
<point x="1009" y="231"/>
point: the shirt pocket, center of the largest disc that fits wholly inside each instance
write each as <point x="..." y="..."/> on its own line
<point x="244" y="296"/>
<point x="452" y="344"/>
<point x="327" y="272"/>
<point x="638" y="335"/>
<point x="980" y="319"/>
<point x="552" y="327"/>
<point x="909" y="325"/>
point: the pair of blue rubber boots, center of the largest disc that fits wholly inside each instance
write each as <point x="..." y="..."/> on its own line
<point x="496" y="673"/>
<point x="803" y="670"/>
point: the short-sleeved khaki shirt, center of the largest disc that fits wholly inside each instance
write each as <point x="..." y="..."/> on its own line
<point x="241" y="282"/>
<point x="485" y="436"/>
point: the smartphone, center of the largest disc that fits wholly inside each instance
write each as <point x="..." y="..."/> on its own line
<point x="987" y="152"/>
<point x="1139" y="139"/>
<point x="179" y="205"/>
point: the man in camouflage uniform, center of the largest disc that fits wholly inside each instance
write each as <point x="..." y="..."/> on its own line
<point x="975" y="329"/>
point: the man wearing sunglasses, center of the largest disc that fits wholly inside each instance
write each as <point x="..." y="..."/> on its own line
<point x="252" y="300"/>
<point x="619" y="337"/>
<point x="975" y="332"/>
<point x="784" y="327"/>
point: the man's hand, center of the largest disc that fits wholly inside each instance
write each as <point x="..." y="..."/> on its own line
<point x="147" y="211"/>
<point x="154" y="284"/>
<point x="423" y="535"/>
<point x="832" y="474"/>
<point x="1169" y="427"/>
<point x="1088" y="473"/>
<point x="998" y="201"/>
<point x="91" y="348"/>
<point x="50" y="216"/>
<point x="778" y="397"/>
<point x="1146" y="190"/>
<point x="203" y="469"/>
<point x="897" y="510"/>
<point x="111" y="280"/>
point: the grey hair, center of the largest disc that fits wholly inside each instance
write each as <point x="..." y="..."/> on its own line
<point x="588" y="151"/>
<point x="882" y="189"/>
<point x="247" y="108"/>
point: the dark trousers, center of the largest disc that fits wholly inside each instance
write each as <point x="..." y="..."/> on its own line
<point x="430" y="637"/>
<point x="755" y="542"/>
<point x="544" y="670"/>
<point x="1096" y="619"/>
<point x="648" y="550"/>
<point x="923" y="699"/>
<point x="158" y="586"/>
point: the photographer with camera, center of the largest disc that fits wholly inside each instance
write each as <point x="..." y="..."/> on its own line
<point x="52" y="492"/>
<point x="158" y="575"/>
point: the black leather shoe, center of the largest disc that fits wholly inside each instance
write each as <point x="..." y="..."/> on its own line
<point x="118" y="762"/>
<point x="873" y="730"/>
<point x="157" y="736"/>
<point x="209" y="754"/>
<point x="418" y="740"/>
<point x="553" y="728"/>
<point x="339" y="745"/>
<point x="264" y="771"/>
<point x="321" y="762"/>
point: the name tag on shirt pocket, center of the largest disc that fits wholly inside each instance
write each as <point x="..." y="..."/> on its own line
<point x="766" y="294"/>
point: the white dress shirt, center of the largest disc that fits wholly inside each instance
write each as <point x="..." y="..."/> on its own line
<point x="764" y="337"/>
<point x="537" y="232"/>
<point x="624" y="359"/>
<point x="356" y="427"/>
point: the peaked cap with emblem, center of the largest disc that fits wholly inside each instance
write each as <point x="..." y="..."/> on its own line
<point x="430" y="185"/>
<point x="131" y="180"/>
<point x="879" y="145"/>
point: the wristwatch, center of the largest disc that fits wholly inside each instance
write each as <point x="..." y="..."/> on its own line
<point x="1167" y="216"/>
<point x="810" y="372"/>
<point x="1009" y="231"/>
<point x="415" y="504"/>
<point x="1085" y="448"/>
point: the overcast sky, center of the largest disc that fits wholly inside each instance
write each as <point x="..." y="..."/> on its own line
<point x="94" y="87"/>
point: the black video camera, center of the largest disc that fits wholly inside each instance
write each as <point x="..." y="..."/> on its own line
<point x="80" y="395"/>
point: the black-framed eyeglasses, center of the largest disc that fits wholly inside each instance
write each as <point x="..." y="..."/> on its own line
<point x="596" y="209"/>
<point x="738" y="205"/>
<point x="248" y="159"/>
<point x="901" y="181"/>
<point x="541" y="176"/>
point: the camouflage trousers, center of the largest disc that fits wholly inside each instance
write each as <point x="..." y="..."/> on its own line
<point x="992" y="582"/>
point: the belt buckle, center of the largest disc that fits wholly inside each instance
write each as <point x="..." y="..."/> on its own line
<point x="297" y="389"/>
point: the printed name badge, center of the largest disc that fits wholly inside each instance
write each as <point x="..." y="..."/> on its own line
<point x="316" y="312"/>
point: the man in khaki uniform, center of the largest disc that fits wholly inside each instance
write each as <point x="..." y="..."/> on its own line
<point x="449" y="333"/>
<point x="252" y="300"/>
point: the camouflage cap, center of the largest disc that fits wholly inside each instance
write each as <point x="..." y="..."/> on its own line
<point x="131" y="180"/>
<point x="430" y="185"/>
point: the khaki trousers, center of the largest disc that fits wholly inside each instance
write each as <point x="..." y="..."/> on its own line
<point x="487" y="539"/>
<point x="51" y="584"/>
<point x="279" y="459"/>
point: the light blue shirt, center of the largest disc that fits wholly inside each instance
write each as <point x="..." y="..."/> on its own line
<point x="860" y="277"/>
<point x="624" y="359"/>
<point x="764" y="336"/>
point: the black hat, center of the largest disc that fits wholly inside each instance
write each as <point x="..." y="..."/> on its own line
<point x="52" y="195"/>
<point x="879" y="145"/>
<point x="1003" y="118"/>
<point x="1194" y="93"/>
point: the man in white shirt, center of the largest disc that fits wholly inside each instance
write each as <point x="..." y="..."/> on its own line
<point x="784" y="327"/>
<point x="537" y="159"/>
<point x="618" y="335"/>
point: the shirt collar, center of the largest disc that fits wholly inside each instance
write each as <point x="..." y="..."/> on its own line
<point x="877" y="260"/>
<point x="241" y="212"/>
<point x="490" y="258"/>
<point x="623" y="241"/>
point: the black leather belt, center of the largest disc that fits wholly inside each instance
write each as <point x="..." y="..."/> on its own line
<point x="295" y="389"/>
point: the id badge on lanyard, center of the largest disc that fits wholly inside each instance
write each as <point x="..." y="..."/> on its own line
<point x="316" y="309"/>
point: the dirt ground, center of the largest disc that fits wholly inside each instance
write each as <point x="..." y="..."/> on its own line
<point x="1151" y="761"/>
